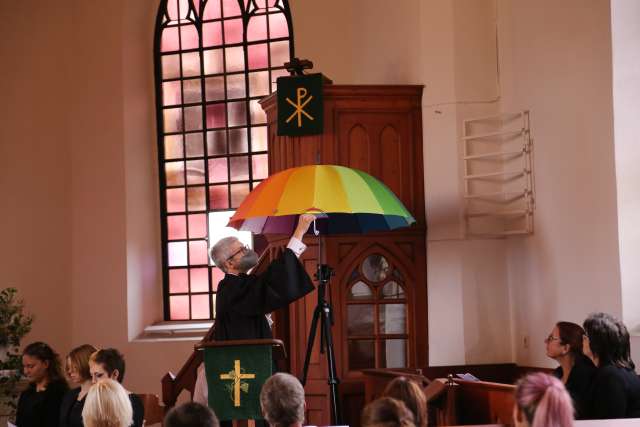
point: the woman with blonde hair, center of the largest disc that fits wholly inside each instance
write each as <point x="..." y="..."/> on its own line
<point x="542" y="401"/>
<point x="107" y="405"/>
<point x="77" y="365"/>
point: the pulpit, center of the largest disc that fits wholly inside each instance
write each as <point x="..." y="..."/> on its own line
<point x="235" y="372"/>
<point x="379" y="291"/>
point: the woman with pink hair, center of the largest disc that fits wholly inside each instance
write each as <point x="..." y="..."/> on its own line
<point x="542" y="401"/>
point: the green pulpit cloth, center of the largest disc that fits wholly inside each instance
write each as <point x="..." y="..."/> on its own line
<point x="235" y="375"/>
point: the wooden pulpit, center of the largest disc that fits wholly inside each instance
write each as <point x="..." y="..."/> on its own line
<point x="235" y="372"/>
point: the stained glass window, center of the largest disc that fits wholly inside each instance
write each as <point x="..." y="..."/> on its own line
<point x="214" y="60"/>
<point x="376" y="315"/>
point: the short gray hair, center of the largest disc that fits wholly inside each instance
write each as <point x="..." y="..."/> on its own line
<point x="220" y="251"/>
<point x="282" y="400"/>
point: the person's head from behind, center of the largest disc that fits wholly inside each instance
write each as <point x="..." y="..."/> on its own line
<point x="282" y="400"/>
<point x="232" y="256"/>
<point x="107" y="405"/>
<point x="542" y="401"/>
<point x="411" y="394"/>
<point x="565" y="340"/>
<point x="191" y="414"/>
<point x="40" y="363"/>
<point x="387" y="412"/>
<point x="107" y="363"/>
<point x="606" y="341"/>
<point x="77" y="364"/>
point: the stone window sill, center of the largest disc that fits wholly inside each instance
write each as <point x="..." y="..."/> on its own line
<point x="175" y="331"/>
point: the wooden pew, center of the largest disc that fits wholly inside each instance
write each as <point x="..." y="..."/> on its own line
<point x="454" y="401"/>
<point x="627" y="422"/>
<point x="375" y="380"/>
<point x="478" y="402"/>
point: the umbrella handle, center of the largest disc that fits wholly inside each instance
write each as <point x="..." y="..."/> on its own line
<point x="315" y="230"/>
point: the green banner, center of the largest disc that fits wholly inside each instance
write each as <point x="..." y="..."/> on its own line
<point x="235" y="375"/>
<point x="300" y="106"/>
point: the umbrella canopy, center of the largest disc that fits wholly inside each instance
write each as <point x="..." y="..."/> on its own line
<point x="345" y="200"/>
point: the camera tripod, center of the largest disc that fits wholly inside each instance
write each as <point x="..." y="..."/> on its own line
<point x="324" y="315"/>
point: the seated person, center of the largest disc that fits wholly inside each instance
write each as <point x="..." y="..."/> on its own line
<point x="576" y="371"/>
<point x="39" y="404"/>
<point x="616" y="386"/>
<point x="109" y="363"/>
<point x="191" y="414"/>
<point x="542" y="401"/>
<point x="107" y="405"/>
<point x="77" y="365"/>
<point x="411" y="394"/>
<point x="282" y="401"/>
<point x="387" y="412"/>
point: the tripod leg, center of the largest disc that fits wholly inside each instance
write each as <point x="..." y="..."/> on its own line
<point x="331" y="362"/>
<point x="311" y="339"/>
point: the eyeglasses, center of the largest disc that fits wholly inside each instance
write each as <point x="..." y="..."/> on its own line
<point x="243" y="249"/>
<point x="551" y="338"/>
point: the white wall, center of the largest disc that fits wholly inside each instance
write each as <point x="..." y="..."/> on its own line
<point x="558" y="65"/>
<point x="116" y="245"/>
<point x="80" y="219"/>
<point x="35" y="164"/>
<point x="626" y="105"/>
<point x="450" y="48"/>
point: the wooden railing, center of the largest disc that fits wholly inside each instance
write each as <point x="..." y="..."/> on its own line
<point x="185" y="379"/>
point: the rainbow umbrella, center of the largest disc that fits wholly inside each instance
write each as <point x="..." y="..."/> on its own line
<point x="344" y="200"/>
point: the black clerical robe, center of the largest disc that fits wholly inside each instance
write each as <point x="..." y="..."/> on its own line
<point x="243" y="300"/>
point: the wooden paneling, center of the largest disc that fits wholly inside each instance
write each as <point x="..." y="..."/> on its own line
<point x="376" y="129"/>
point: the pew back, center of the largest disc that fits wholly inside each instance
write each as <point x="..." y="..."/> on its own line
<point x="483" y="402"/>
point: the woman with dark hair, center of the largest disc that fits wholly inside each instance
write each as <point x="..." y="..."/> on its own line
<point x="39" y="404"/>
<point x="77" y="364"/>
<point x="109" y="364"/>
<point x="411" y="394"/>
<point x="564" y="345"/>
<point x="616" y="386"/>
<point x="542" y="401"/>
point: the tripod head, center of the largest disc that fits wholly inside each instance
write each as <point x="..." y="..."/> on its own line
<point x="324" y="273"/>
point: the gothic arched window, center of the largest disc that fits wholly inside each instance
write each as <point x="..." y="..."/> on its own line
<point x="377" y="317"/>
<point x="214" y="59"/>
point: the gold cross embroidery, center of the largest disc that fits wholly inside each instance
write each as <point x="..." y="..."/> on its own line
<point x="236" y="376"/>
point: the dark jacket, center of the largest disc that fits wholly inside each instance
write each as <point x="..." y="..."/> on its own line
<point x="71" y="409"/>
<point x="41" y="408"/>
<point x="579" y="384"/>
<point x="242" y="301"/>
<point x="616" y="393"/>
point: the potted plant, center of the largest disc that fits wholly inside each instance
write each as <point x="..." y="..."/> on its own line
<point x="14" y="325"/>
